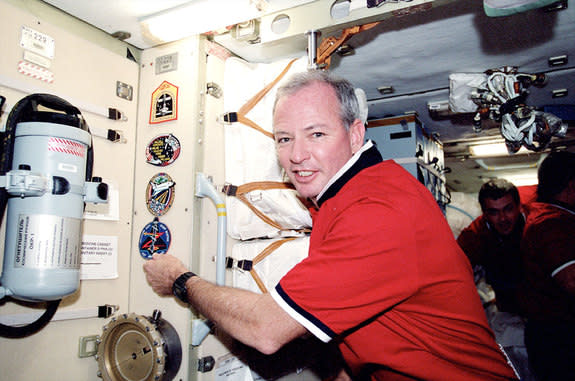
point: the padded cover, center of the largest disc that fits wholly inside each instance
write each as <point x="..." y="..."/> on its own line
<point x="250" y="155"/>
<point x="460" y="87"/>
<point x="497" y="8"/>
<point x="273" y="267"/>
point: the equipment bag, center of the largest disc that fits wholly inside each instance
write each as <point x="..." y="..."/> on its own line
<point x="250" y="157"/>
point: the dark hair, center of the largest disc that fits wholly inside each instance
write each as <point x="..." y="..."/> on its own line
<point x="554" y="174"/>
<point x="344" y="90"/>
<point x="495" y="189"/>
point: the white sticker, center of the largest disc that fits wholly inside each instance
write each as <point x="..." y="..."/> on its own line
<point x="35" y="71"/>
<point x="37" y="59"/>
<point x="65" y="167"/>
<point x="99" y="257"/>
<point x="230" y="368"/>
<point x="37" y="42"/>
<point x="48" y="241"/>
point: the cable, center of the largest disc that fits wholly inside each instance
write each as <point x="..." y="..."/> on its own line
<point x="13" y="332"/>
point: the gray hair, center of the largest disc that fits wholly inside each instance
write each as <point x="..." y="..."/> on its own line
<point x="344" y="91"/>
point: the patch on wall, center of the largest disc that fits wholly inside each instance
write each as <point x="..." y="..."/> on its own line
<point x="164" y="106"/>
<point x="155" y="238"/>
<point x="160" y="194"/>
<point x="163" y="150"/>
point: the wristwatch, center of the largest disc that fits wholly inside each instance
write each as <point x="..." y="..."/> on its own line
<point x="179" y="287"/>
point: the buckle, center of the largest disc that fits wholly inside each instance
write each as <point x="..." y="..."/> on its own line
<point x="245" y="264"/>
<point x="230" y="190"/>
<point x="228" y="117"/>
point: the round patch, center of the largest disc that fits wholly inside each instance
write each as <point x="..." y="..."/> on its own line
<point x="163" y="150"/>
<point x="160" y="194"/>
<point x="155" y="238"/>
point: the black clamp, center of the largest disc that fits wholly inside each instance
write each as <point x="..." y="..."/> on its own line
<point x="230" y="190"/>
<point x="229" y="262"/>
<point x="116" y="114"/>
<point x="512" y="104"/>
<point x="243" y="264"/>
<point x="106" y="310"/>
<point x="229" y="117"/>
<point x="113" y="135"/>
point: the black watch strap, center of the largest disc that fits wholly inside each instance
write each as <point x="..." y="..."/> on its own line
<point x="179" y="286"/>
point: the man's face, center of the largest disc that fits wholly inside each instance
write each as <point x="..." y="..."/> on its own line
<point x="502" y="213"/>
<point x="311" y="141"/>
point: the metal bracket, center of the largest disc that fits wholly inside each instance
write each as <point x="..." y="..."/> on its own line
<point x="88" y="346"/>
<point x="206" y="364"/>
<point x="214" y="90"/>
<point x="124" y="91"/>
<point x="200" y="329"/>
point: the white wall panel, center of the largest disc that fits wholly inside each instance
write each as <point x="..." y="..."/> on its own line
<point x="84" y="74"/>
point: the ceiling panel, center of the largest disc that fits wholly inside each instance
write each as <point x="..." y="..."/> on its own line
<point x="413" y="55"/>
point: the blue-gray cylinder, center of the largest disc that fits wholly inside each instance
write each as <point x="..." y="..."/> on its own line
<point x="43" y="233"/>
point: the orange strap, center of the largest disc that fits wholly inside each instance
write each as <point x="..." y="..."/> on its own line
<point x="263" y="185"/>
<point x="249" y="105"/>
<point x="250" y="123"/>
<point x="241" y="190"/>
<point x="329" y="45"/>
<point x="261" y="256"/>
<point x="240" y="193"/>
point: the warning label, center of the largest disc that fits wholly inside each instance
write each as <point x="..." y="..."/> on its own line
<point x="47" y="241"/>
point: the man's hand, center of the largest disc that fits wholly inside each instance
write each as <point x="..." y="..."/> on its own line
<point x="161" y="272"/>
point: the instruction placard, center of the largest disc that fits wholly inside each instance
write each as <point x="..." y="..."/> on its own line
<point x="99" y="257"/>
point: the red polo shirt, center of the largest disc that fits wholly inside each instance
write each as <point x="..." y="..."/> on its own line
<point x="385" y="275"/>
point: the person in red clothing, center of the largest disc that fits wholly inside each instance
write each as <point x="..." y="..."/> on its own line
<point x="384" y="277"/>
<point x="548" y="250"/>
<point x="492" y="244"/>
<point x="492" y="241"/>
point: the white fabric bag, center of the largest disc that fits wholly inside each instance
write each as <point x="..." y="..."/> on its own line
<point x="251" y="157"/>
<point x="273" y="266"/>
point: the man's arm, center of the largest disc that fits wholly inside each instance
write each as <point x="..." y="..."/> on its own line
<point x="554" y="238"/>
<point x="565" y="278"/>
<point x="467" y="243"/>
<point x="254" y="319"/>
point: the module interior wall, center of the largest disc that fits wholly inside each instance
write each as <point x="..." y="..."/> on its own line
<point x="189" y="78"/>
<point x="85" y="75"/>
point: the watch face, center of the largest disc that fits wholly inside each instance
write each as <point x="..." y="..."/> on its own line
<point x="179" y="287"/>
<point x="180" y="292"/>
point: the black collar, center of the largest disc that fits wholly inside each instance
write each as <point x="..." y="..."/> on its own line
<point x="368" y="158"/>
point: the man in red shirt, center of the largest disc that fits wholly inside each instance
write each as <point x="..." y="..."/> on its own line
<point x="492" y="244"/>
<point x="548" y="250"/>
<point x="492" y="241"/>
<point x="384" y="277"/>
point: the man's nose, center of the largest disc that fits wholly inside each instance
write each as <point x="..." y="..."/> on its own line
<point x="504" y="218"/>
<point x="300" y="151"/>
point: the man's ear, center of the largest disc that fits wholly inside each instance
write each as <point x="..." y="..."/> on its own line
<point x="356" y="135"/>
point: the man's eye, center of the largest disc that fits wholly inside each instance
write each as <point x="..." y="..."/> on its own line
<point x="318" y="134"/>
<point x="282" y="140"/>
